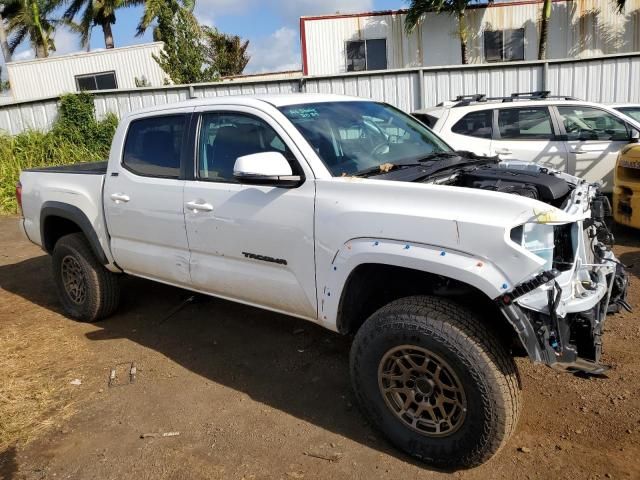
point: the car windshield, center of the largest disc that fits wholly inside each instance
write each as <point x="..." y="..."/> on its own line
<point x="355" y="136"/>
<point x="633" y="112"/>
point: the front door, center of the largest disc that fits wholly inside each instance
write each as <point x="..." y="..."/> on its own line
<point x="143" y="200"/>
<point x="527" y="133"/>
<point x="250" y="243"/>
<point x="594" y="139"/>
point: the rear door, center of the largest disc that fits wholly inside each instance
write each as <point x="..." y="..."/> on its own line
<point x="143" y="198"/>
<point x="472" y="132"/>
<point x="594" y="138"/>
<point x="529" y="134"/>
<point x="250" y="243"/>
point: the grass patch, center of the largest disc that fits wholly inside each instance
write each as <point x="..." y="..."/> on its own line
<point x="76" y="137"/>
<point x="35" y="393"/>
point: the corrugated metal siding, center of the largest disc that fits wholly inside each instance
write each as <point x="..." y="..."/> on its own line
<point x="603" y="79"/>
<point x="56" y="75"/>
<point x="578" y="28"/>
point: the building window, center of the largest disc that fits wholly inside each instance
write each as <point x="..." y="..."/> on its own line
<point x="97" y="81"/>
<point x="367" y="55"/>
<point x="504" y="45"/>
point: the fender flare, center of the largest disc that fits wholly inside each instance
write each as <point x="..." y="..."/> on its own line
<point x="77" y="216"/>
<point x="474" y="271"/>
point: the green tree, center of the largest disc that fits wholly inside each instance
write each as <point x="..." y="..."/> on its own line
<point x="418" y="9"/>
<point x="225" y="55"/>
<point x="95" y="13"/>
<point x="31" y="19"/>
<point x="183" y="55"/>
<point x="153" y="9"/>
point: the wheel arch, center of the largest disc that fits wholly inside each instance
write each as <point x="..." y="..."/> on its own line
<point x="370" y="286"/>
<point x="58" y="219"/>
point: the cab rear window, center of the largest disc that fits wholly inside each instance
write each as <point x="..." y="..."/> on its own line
<point x="153" y="145"/>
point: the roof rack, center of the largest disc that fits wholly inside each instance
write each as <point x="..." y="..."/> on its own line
<point x="465" y="100"/>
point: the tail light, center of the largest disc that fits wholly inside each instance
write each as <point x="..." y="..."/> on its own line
<point x="19" y="196"/>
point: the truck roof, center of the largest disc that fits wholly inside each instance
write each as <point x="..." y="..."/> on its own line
<point x="277" y="100"/>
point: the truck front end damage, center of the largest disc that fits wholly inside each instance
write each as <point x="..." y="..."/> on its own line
<point x="559" y="314"/>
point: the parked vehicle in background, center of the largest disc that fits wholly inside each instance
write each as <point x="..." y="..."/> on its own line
<point x="353" y="215"/>
<point x="580" y="138"/>
<point x="626" y="191"/>
<point x="630" y="110"/>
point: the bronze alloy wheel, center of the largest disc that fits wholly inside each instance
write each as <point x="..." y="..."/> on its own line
<point x="73" y="279"/>
<point x="422" y="390"/>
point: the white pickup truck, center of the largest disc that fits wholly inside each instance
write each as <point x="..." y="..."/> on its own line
<point x="353" y="215"/>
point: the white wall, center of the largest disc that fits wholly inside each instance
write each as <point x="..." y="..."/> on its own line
<point x="54" y="76"/>
<point x="604" y="79"/>
<point x="579" y="28"/>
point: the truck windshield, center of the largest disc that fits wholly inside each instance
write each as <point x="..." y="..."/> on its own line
<point x="355" y="136"/>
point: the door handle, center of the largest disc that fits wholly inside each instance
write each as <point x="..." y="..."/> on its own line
<point x="503" y="151"/>
<point x="202" y="207"/>
<point x="579" y="151"/>
<point x="120" y="197"/>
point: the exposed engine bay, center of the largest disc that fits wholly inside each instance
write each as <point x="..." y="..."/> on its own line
<point x="580" y="270"/>
<point x="517" y="178"/>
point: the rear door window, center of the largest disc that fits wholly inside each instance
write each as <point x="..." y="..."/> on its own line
<point x="475" y="124"/>
<point x="587" y="123"/>
<point x="152" y="147"/>
<point x="527" y="123"/>
<point x="428" y="120"/>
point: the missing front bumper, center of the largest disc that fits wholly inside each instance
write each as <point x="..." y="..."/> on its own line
<point x="571" y="343"/>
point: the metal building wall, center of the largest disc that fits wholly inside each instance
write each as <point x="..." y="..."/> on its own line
<point x="56" y="75"/>
<point x="604" y="79"/>
<point x="578" y="29"/>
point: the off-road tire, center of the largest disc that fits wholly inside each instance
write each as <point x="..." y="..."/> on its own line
<point x="101" y="292"/>
<point x="486" y="371"/>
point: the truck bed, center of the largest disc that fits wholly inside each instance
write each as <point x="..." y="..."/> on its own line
<point x="87" y="168"/>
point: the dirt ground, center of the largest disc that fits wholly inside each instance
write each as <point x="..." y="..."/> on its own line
<point x="256" y="395"/>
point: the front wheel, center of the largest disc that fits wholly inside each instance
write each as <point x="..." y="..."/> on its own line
<point x="435" y="381"/>
<point x="86" y="289"/>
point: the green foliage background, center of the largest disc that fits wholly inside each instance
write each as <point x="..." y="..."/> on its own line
<point x="75" y="137"/>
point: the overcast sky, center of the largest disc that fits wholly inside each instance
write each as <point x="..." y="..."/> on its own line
<point x="272" y="26"/>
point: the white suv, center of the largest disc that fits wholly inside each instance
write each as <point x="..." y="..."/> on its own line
<point x="580" y="138"/>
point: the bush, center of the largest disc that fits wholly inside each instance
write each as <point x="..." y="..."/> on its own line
<point x="76" y="137"/>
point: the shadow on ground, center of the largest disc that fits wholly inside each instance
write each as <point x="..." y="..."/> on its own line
<point x="8" y="464"/>
<point x="289" y="364"/>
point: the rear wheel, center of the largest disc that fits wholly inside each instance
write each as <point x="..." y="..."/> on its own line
<point x="437" y="383"/>
<point x="86" y="289"/>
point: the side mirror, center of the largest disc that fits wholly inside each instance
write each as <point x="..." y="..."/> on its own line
<point x="635" y="136"/>
<point x="265" y="168"/>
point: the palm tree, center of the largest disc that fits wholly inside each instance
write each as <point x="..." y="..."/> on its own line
<point x="4" y="43"/>
<point x="95" y="13"/>
<point x="544" y="29"/>
<point x="152" y="9"/>
<point x="620" y="4"/>
<point x="31" y="19"/>
<point x="418" y="8"/>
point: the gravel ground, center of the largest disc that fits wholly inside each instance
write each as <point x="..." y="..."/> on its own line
<point x="256" y="395"/>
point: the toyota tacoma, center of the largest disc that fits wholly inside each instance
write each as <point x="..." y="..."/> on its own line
<point x="349" y="213"/>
